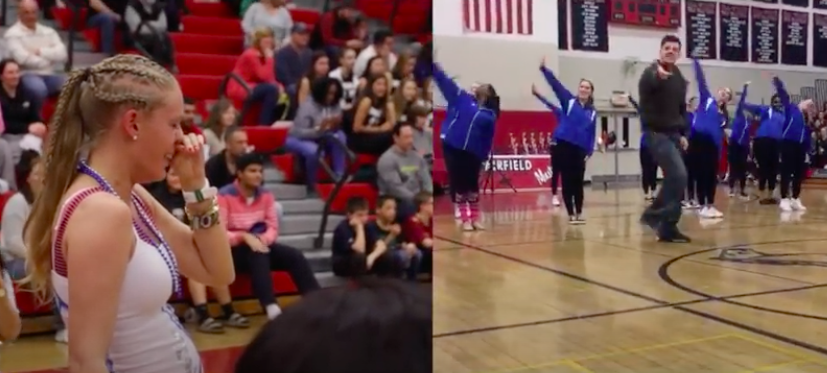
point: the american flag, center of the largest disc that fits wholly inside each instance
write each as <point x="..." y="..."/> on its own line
<point x="504" y="17"/>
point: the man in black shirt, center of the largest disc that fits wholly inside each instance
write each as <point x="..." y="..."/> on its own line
<point x="220" y="168"/>
<point x="662" y="91"/>
<point x="356" y="248"/>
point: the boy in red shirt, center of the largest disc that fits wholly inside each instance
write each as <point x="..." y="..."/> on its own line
<point x="418" y="229"/>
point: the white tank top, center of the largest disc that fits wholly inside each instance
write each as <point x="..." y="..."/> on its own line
<point x="147" y="337"/>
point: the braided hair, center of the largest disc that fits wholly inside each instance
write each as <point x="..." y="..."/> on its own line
<point x="89" y="101"/>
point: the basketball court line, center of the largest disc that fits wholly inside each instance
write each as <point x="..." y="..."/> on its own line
<point x="701" y="314"/>
<point x="576" y="362"/>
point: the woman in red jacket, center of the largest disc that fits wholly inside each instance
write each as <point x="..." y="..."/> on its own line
<point x="256" y="68"/>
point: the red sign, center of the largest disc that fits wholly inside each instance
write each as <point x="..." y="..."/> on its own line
<point x="521" y="171"/>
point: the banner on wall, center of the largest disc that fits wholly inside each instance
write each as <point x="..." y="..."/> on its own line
<point x="794" y="29"/>
<point x="701" y="36"/>
<point x="764" y="30"/>
<point x="590" y="25"/>
<point x="819" y="40"/>
<point x="734" y="25"/>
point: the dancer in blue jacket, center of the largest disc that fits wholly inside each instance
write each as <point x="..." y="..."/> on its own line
<point x="738" y="148"/>
<point x="467" y="136"/>
<point x="555" y="159"/>
<point x="648" y="166"/>
<point x="575" y="137"/>
<point x="795" y="143"/>
<point x="706" y="141"/>
<point x="766" y="145"/>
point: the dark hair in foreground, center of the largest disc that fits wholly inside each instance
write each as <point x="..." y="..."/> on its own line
<point x="670" y="39"/>
<point x="372" y="325"/>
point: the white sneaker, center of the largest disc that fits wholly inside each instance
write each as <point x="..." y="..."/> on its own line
<point x="686" y="205"/>
<point x="62" y="336"/>
<point x="694" y="204"/>
<point x="457" y="213"/>
<point x="715" y="212"/>
<point x="555" y="201"/>
<point x="797" y="205"/>
<point x="786" y="205"/>
<point x="706" y="213"/>
<point x="467" y="226"/>
<point x="478" y="226"/>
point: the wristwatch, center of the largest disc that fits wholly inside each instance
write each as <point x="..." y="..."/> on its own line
<point x="206" y="220"/>
<point x="200" y="195"/>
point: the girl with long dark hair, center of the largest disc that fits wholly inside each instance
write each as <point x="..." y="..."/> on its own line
<point x="575" y="137"/>
<point x="794" y="145"/>
<point x="706" y="141"/>
<point x="467" y="136"/>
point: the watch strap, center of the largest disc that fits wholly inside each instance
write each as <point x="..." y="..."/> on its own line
<point x="206" y="220"/>
<point x="200" y="195"/>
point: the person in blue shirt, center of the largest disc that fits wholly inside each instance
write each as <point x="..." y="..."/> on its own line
<point x="648" y="166"/>
<point x="765" y="145"/>
<point x="795" y="143"/>
<point x="706" y="140"/>
<point x="467" y="137"/>
<point x="738" y="148"/>
<point x="555" y="159"/>
<point x="575" y="139"/>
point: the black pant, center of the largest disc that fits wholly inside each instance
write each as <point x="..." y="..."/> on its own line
<point x="280" y="258"/>
<point x="737" y="157"/>
<point x="370" y="143"/>
<point x="691" y="183"/>
<point x="355" y="265"/>
<point x="463" y="173"/>
<point x="766" y="152"/>
<point x="793" y="158"/>
<point x="572" y="169"/>
<point x="665" y="150"/>
<point x="555" y="169"/>
<point x="648" y="171"/>
<point x="703" y="161"/>
<point x="158" y="46"/>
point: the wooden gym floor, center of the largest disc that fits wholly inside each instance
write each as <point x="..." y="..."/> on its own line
<point x="534" y="295"/>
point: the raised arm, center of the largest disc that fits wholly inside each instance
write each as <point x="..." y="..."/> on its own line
<point x="449" y="88"/>
<point x="703" y="86"/>
<point x="783" y="95"/>
<point x="554" y="108"/>
<point x="739" y="109"/>
<point x="563" y="94"/>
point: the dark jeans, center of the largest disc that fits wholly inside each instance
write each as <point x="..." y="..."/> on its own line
<point x="703" y="163"/>
<point x="766" y="158"/>
<point x="463" y="173"/>
<point x="267" y="95"/>
<point x="793" y="165"/>
<point x="572" y="169"/>
<point x="393" y="263"/>
<point x="280" y="258"/>
<point x="665" y="150"/>
<point x="737" y="157"/>
<point x="648" y="171"/>
<point x="107" y="25"/>
<point x="404" y="210"/>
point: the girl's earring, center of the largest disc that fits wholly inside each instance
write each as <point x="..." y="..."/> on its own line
<point x="134" y="137"/>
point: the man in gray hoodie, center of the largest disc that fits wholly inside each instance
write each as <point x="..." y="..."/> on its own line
<point x="403" y="172"/>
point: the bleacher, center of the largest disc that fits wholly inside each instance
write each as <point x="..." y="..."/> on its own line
<point x="205" y="52"/>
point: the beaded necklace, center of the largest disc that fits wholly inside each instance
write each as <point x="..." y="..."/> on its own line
<point x="163" y="249"/>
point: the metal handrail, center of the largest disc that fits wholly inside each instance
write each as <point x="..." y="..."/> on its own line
<point x="318" y="242"/>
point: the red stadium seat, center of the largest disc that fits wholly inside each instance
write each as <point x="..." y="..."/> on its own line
<point x="339" y="204"/>
<point x="306" y="16"/>
<point x="211" y="26"/>
<point x="204" y="64"/>
<point x="217" y="9"/>
<point x="266" y="139"/>
<point x="207" y="44"/>
<point x="200" y="87"/>
<point x="285" y="162"/>
<point x="63" y="18"/>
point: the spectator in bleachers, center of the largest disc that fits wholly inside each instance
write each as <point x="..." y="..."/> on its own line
<point x="360" y="30"/>
<point x="418" y="229"/>
<point x="355" y="249"/>
<point x="38" y="50"/>
<point x="403" y="172"/>
<point x="16" y="211"/>
<point x="220" y="168"/>
<point x="405" y="97"/>
<point x="376" y="67"/>
<point x="385" y="227"/>
<point x="222" y="116"/>
<point x="382" y="46"/>
<point x="10" y="323"/>
<point x="319" y="118"/>
<point x="169" y="195"/>
<point x="423" y="134"/>
<point x="373" y="121"/>
<point x="293" y="60"/>
<point x="106" y="16"/>
<point x="270" y="14"/>
<point x="373" y="325"/>
<point x="319" y="67"/>
<point x="404" y="70"/>
<point x="349" y="81"/>
<point x="147" y="25"/>
<point x="249" y="213"/>
<point x="256" y="68"/>
<point x="191" y="117"/>
<point x="20" y="114"/>
<point x="335" y="30"/>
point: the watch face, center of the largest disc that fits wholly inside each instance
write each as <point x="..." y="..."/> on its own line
<point x="205" y="221"/>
